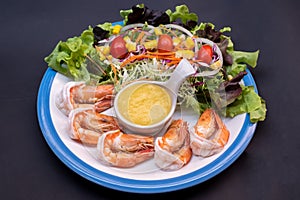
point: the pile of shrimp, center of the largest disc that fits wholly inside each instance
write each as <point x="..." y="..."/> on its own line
<point x="83" y="104"/>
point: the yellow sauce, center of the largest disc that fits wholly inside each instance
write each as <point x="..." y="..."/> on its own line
<point x="144" y="104"/>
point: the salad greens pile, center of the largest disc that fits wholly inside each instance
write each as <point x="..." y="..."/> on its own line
<point x="78" y="59"/>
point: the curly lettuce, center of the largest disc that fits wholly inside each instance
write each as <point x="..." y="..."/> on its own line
<point x="248" y="102"/>
<point x="69" y="57"/>
<point x="182" y="12"/>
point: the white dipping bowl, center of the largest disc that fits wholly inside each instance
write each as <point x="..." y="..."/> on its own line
<point x="146" y="130"/>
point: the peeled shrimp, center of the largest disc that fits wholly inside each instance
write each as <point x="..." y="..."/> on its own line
<point x="124" y="150"/>
<point x="79" y="95"/>
<point x="209" y="135"/>
<point x="87" y="126"/>
<point x="172" y="150"/>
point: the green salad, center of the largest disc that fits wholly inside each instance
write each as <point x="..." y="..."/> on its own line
<point x="148" y="44"/>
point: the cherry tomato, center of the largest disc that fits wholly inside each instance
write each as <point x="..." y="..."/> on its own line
<point x="165" y="43"/>
<point x="118" y="48"/>
<point x="205" y="54"/>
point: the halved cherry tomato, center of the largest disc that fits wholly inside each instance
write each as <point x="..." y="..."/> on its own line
<point x="205" y="53"/>
<point x="118" y="48"/>
<point x="165" y="43"/>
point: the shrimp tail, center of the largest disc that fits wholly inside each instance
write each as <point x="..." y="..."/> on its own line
<point x="172" y="150"/>
<point x="209" y="135"/>
<point x="118" y="149"/>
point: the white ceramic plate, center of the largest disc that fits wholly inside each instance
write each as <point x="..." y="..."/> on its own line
<point x="145" y="177"/>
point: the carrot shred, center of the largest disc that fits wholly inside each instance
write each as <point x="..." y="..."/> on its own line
<point x="114" y="69"/>
<point x="174" y="62"/>
<point x="161" y="53"/>
<point x="170" y="56"/>
<point x="140" y="36"/>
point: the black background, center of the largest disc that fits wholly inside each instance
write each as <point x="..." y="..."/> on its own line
<point x="268" y="168"/>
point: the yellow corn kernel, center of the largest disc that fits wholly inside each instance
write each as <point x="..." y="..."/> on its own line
<point x="188" y="54"/>
<point x="176" y="41"/>
<point x="216" y="65"/>
<point x="103" y="51"/>
<point x="157" y="31"/>
<point x="229" y="77"/>
<point x="131" y="46"/>
<point x="116" y="29"/>
<point x="127" y="39"/>
<point x="152" y="44"/>
<point x="109" y="57"/>
<point x="189" y="43"/>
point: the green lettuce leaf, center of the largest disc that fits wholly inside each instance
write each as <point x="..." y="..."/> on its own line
<point x="240" y="61"/>
<point x="248" y="102"/>
<point x="236" y="68"/>
<point x="182" y="12"/>
<point x="69" y="57"/>
<point x="249" y="58"/>
<point x="107" y="26"/>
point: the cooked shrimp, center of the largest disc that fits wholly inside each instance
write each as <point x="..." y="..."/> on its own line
<point x="209" y="135"/>
<point x="87" y="126"/>
<point x="124" y="150"/>
<point x="172" y="150"/>
<point x="79" y="95"/>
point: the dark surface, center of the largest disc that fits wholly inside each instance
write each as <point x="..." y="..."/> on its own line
<point x="269" y="167"/>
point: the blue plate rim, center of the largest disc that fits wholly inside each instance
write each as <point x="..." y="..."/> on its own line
<point x="129" y="185"/>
